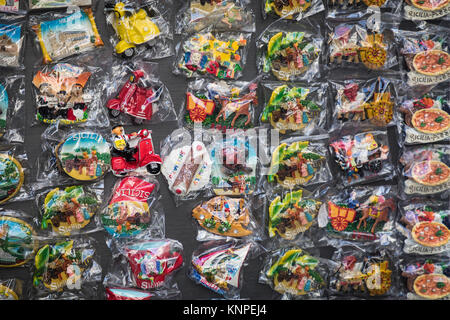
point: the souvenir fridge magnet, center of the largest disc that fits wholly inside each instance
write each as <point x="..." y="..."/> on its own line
<point x="372" y="102"/>
<point x="296" y="273"/>
<point x="426" y="9"/>
<point x="291" y="215"/>
<point x="290" y="109"/>
<point x="426" y="170"/>
<point x="61" y="265"/>
<point x="69" y="209"/>
<point x="290" y="54"/>
<point x="426" y="229"/>
<point x="427" y="279"/>
<point x="11" y="177"/>
<point x="84" y="156"/>
<point x="221" y="57"/>
<point x="67" y="36"/>
<point x="131" y="152"/>
<point x="127" y="294"/>
<point x="224" y="216"/>
<point x="133" y="26"/>
<point x="219" y="268"/>
<point x="295" y="164"/>
<point x="128" y="213"/>
<point x="426" y="119"/>
<point x="360" y="157"/>
<point x="187" y="169"/>
<point x="61" y="95"/>
<point x="285" y="8"/>
<point x="136" y="99"/>
<point x="152" y="262"/>
<point x="39" y="4"/>
<point x="17" y="242"/>
<point x="234" y="167"/>
<point x="10" y="44"/>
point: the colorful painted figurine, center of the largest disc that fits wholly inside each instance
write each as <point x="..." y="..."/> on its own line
<point x="84" y="156"/>
<point x="287" y="8"/>
<point x="289" y="109"/>
<point x="294" y="164"/>
<point x="206" y="54"/>
<point x="125" y="158"/>
<point x="153" y="261"/>
<point x="296" y="273"/>
<point x="128" y="213"/>
<point x="289" y="54"/>
<point x="135" y="99"/>
<point x="17" y="241"/>
<point x="292" y="215"/>
<point x="61" y="95"/>
<point x="224" y="216"/>
<point x="11" y="177"/>
<point x="133" y="28"/>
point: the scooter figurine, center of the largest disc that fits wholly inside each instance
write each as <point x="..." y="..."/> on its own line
<point x="133" y="151"/>
<point x="135" y="99"/>
<point x="133" y="28"/>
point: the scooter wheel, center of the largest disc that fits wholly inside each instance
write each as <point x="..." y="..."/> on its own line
<point x="154" y="168"/>
<point x="128" y="53"/>
<point x="114" y="113"/>
<point x="138" y="121"/>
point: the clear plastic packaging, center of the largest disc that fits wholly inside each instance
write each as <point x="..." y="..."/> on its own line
<point x="424" y="224"/>
<point x="362" y="154"/>
<point x="133" y="209"/>
<point x="136" y="95"/>
<point x="362" y="214"/>
<point x="424" y="278"/>
<point x="425" y="115"/>
<point x="186" y="163"/>
<point x="72" y="155"/>
<point x="217" y="265"/>
<point x="291" y="9"/>
<point x="225" y="217"/>
<point x="300" y="162"/>
<point x="419" y="10"/>
<point x="71" y="91"/>
<point x="140" y="28"/>
<point x="298" y="107"/>
<point x="11" y="289"/>
<point x="18" y="238"/>
<point x="220" y="55"/>
<point x="14" y="174"/>
<point x="365" y="42"/>
<point x="61" y="35"/>
<point x="363" y="272"/>
<point x="123" y="293"/>
<point x="220" y="105"/>
<point x="357" y="8"/>
<point x="66" y="269"/>
<point x="145" y="264"/>
<point x="425" y="55"/>
<point x="290" y="51"/>
<point x="12" y="33"/>
<point x="12" y="102"/>
<point x="364" y="100"/>
<point x="295" y="273"/>
<point x="425" y="170"/>
<point x="224" y="15"/>
<point x="47" y="4"/>
<point x="67" y="210"/>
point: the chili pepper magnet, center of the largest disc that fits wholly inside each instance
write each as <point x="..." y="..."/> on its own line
<point x="61" y="95"/>
<point x="220" y="57"/>
<point x="11" y="177"/>
<point x="61" y="265"/>
<point x="224" y="216"/>
<point x="427" y="279"/>
<point x="67" y="36"/>
<point x="285" y="8"/>
<point x="296" y="273"/>
<point x="153" y="261"/>
<point x="17" y="242"/>
<point x="69" y="209"/>
<point x="289" y="109"/>
<point x="128" y="212"/>
<point x="289" y="54"/>
<point x="291" y="215"/>
<point x="84" y="156"/>
<point x="294" y="164"/>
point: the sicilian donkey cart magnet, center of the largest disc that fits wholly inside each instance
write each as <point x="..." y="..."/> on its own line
<point x="133" y="151"/>
<point x="137" y="99"/>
